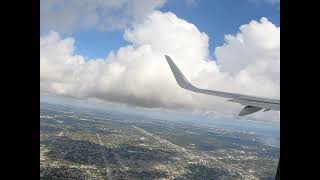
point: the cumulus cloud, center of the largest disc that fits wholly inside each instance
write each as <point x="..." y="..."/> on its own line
<point x="70" y="15"/>
<point x="253" y="56"/>
<point x="138" y="74"/>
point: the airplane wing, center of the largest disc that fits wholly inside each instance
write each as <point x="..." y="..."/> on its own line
<point x="252" y="103"/>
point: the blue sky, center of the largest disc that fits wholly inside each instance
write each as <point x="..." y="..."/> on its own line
<point x="214" y="17"/>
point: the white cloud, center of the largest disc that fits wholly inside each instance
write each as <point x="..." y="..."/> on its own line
<point x="70" y="15"/>
<point x="253" y="57"/>
<point x="138" y="73"/>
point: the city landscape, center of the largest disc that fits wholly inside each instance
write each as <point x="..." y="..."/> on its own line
<point x="87" y="143"/>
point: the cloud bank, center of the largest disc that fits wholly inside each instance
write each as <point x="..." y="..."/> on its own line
<point x="70" y="15"/>
<point x="139" y="75"/>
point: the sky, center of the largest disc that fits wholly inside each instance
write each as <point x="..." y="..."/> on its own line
<point x="215" y="17"/>
<point x="113" y="51"/>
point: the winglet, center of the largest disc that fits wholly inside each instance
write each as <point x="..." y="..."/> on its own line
<point x="180" y="78"/>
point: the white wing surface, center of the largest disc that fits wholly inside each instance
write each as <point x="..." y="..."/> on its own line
<point x="252" y="103"/>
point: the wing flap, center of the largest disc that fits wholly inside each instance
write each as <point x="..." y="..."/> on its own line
<point x="249" y="110"/>
<point x="266" y="105"/>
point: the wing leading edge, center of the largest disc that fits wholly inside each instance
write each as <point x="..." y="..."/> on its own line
<point x="252" y="103"/>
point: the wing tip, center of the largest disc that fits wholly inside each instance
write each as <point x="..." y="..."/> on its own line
<point x="179" y="77"/>
<point x="167" y="57"/>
